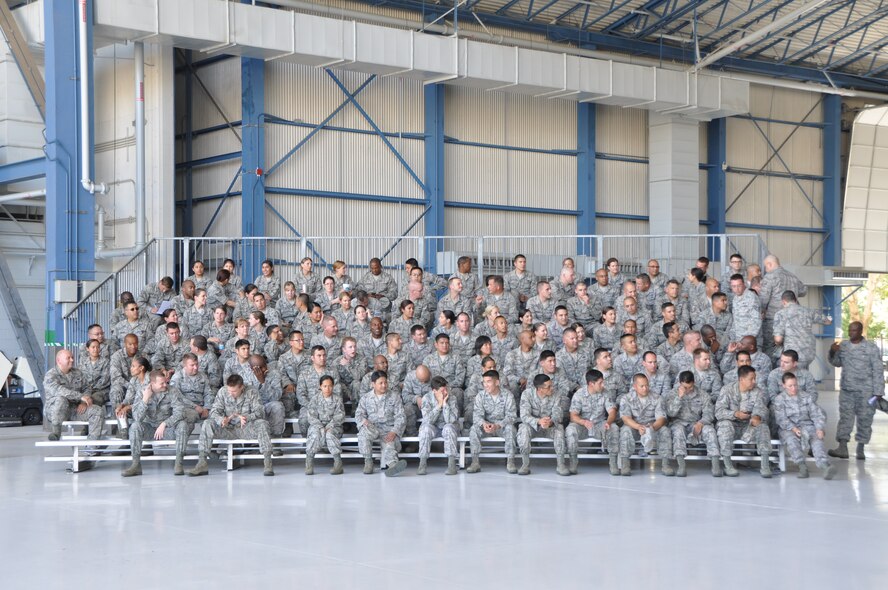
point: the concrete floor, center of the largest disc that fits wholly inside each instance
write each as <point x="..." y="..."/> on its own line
<point x="491" y="529"/>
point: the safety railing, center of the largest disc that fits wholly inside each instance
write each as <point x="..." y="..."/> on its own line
<point x="174" y="257"/>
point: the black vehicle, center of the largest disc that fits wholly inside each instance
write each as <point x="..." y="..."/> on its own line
<point x="16" y="407"/>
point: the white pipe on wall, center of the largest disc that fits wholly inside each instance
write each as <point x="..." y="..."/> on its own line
<point x="86" y="155"/>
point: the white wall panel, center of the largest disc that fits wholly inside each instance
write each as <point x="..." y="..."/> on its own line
<point x="784" y="103"/>
<point x="621" y="187"/>
<point x="621" y="131"/>
<point x="223" y="80"/>
<point x="227" y="223"/>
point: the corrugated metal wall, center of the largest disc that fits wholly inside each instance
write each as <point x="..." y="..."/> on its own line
<point x="773" y="200"/>
<point x="621" y="187"/>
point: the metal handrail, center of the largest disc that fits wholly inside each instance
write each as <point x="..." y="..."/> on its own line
<point x="110" y="277"/>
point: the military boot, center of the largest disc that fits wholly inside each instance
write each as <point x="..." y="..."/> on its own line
<point x="368" y="465"/>
<point x="55" y="433"/>
<point x="730" y="470"/>
<point x="267" y="464"/>
<point x="395" y="467"/>
<point x="625" y="468"/>
<point x="560" y="467"/>
<point x="840" y="452"/>
<point x="574" y="464"/>
<point x="178" y="469"/>
<point x="525" y="465"/>
<point x="134" y="469"/>
<point x="716" y="466"/>
<point x="510" y="466"/>
<point x="765" y="470"/>
<point x="337" y="465"/>
<point x="667" y="469"/>
<point x="682" y="470"/>
<point x="829" y="472"/>
<point x="423" y="466"/>
<point x="475" y="467"/>
<point x="612" y="465"/>
<point x="803" y="471"/>
<point x="452" y="467"/>
<point x="861" y="456"/>
<point x="201" y="468"/>
<point x="309" y="466"/>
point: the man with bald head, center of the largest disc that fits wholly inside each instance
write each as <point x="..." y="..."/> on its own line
<point x="683" y="360"/>
<point x="776" y="281"/>
<point x="68" y="398"/>
<point x="415" y="386"/>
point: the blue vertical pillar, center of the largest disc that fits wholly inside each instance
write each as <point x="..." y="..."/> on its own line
<point x="832" y="201"/>
<point x="434" y="171"/>
<point x="716" y="158"/>
<point x="586" y="177"/>
<point x="70" y="210"/>
<point x="253" y="164"/>
<point x="188" y="221"/>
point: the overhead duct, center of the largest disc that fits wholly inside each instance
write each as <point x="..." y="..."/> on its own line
<point x="259" y="32"/>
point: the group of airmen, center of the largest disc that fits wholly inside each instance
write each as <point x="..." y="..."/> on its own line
<point x="645" y="364"/>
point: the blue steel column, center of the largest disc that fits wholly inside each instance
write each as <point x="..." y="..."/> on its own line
<point x="188" y="221"/>
<point x="70" y="210"/>
<point x="716" y="157"/>
<point x="586" y="177"/>
<point x="253" y="159"/>
<point x="434" y="171"/>
<point x="832" y="202"/>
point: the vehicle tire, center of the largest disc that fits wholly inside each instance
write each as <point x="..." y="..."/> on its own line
<point x="32" y="417"/>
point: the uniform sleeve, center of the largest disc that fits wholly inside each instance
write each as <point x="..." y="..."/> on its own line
<point x="878" y="374"/>
<point x="760" y="407"/>
<point x="817" y="415"/>
<point x="723" y="409"/>
<point x="430" y="409"/>
<point x="217" y="413"/>
<point x="177" y="404"/>
<point x="555" y="413"/>
<point x="526" y="410"/>
<point x="672" y="404"/>
<point x="400" y="419"/>
<point x="53" y="382"/>
<point x="338" y="415"/>
<point x="835" y="357"/>
<point x="708" y="416"/>
<point x="255" y="409"/>
<point x="778" y="406"/>
<point x="314" y="415"/>
<point x="451" y="412"/>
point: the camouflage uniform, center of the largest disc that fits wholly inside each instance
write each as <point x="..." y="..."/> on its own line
<point x="681" y="360"/>
<point x="644" y="410"/>
<point x="416" y="353"/>
<point x="217" y="295"/>
<point x="398" y="365"/>
<point x="350" y="376"/>
<point x="561" y="292"/>
<point x="310" y="284"/>
<point x="63" y="393"/>
<point x="496" y="409"/>
<point x="730" y="428"/>
<point x="247" y="405"/>
<point x="451" y="369"/>
<point x="747" y="313"/>
<point x="722" y="323"/>
<point x="659" y="383"/>
<point x="584" y="313"/>
<point x="142" y="328"/>
<point x="163" y="407"/>
<point x="325" y="417"/>
<point x="760" y="362"/>
<point x="369" y="347"/>
<point x="289" y="366"/>
<point x="802" y="412"/>
<point x="862" y="378"/>
<point x="502" y="347"/>
<point x="606" y="337"/>
<point x="194" y="391"/>
<point x="463" y="304"/>
<point x="273" y="350"/>
<point x="682" y="310"/>
<point x="505" y="302"/>
<point x="287" y="310"/>
<point x="202" y="282"/>
<point x="383" y="283"/>
<point x="770" y="294"/>
<point x="595" y="408"/>
<point x="520" y="285"/>
<point x="333" y="346"/>
<point x="234" y="367"/>
<point x="270" y="394"/>
<point x="309" y="386"/>
<point x="683" y="413"/>
<point x="97" y="378"/>
<point x="438" y="421"/>
<point x="271" y="286"/>
<point x="168" y="355"/>
<point x="803" y="376"/>
<point x="542" y="310"/>
<point x="120" y="376"/>
<point x="708" y="382"/>
<point x="796" y="324"/>
<point x="642" y="323"/>
<point x="627" y="366"/>
<point x="384" y="414"/>
<point x="532" y="408"/>
<point x="412" y="389"/>
<point x="518" y="365"/>
<point x="194" y="321"/>
<point x="574" y="366"/>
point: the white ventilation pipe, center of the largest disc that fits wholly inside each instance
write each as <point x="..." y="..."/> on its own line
<point x="85" y="128"/>
<point x="22" y="198"/>
<point x="103" y="253"/>
<point x="408" y="23"/>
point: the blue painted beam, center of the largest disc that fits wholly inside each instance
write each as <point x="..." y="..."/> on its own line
<point x="205" y="62"/>
<point x="433" y="106"/>
<point x="775" y="174"/>
<point x="511" y="208"/>
<point x="253" y="164"/>
<point x="781" y="121"/>
<point x="716" y="156"/>
<point x="22" y="171"/>
<point x="832" y="186"/>
<point x="621" y="216"/>
<point x="632" y="16"/>
<point x="586" y="205"/>
<point x="767" y="227"/>
<point x="454" y="141"/>
<point x="210" y="129"/>
<point x="70" y="210"/>
<point x="835" y="37"/>
<point x="208" y="161"/>
<point x="302" y="192"/>
<point x="677" y="13"/>
<point x="273" y="120"/>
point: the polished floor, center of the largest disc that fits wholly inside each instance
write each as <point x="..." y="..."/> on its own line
<point x="489" y="530"/>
